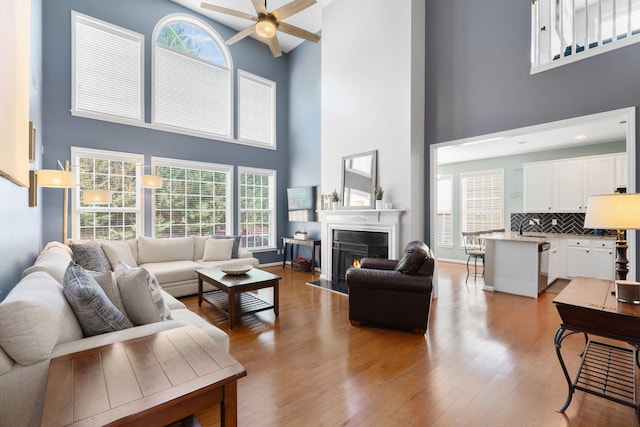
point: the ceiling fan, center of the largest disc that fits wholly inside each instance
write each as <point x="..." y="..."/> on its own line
<point x="267" y="23"/>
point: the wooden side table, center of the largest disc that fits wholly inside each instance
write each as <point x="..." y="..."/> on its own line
<point x="299" y="242"/>
<point x="154" y="380"/>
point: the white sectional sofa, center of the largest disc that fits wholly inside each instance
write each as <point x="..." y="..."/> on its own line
<point x="37" y="323"/>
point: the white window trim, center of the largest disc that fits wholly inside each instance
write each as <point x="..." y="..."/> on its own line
<point x="181" y="17"/>
<point x="119" y="31"/>
<point x="273" y="195"/>
<point x="216" y="167"/>
<point x="111" y="155"/>
<point x="448" y="177"/>
<point x="575" y="56"/>
<point x="269" y="84"/>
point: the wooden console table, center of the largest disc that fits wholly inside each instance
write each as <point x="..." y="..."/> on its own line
<point x="154" y="380"/>
<point x="589" y="306"/>
<point x="308" y="242"/>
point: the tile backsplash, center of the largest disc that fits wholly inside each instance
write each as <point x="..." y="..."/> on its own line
<point x="570" y="223"/>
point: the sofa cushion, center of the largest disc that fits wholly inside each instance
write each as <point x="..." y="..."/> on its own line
<point x="119" y="250"/>
<point x="90" y="256"/>
<point x="413" y="257"/>
<point x="34" y="317"/>
<point x="6" y="362"/>
<point x="109" y="284"/>
<point x="141" y="295"/>
<point x="217" y="249"/>
<point x="173" y="271"/>
<point x="161" y="250"/>
<point x="53" y="259"/>
<point x="172" y="302"/>
<point x="236" y="243"/>
<point x="93" y="309"/>
<point x="198" y="246"/>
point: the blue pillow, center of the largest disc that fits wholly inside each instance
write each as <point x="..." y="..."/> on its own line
<point x="95" y="313"/>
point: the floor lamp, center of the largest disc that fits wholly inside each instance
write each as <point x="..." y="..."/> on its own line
<point x="619" y="212"/>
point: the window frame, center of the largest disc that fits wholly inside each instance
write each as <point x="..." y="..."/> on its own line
<point x="273" y="223"/>
<point x="125" y="33"/>
<point x="245" y="76"/>
<point x="77" y="209"/>
<point x="214" y="167"/>
<point x="444" y="243"/>
<point x="464" y="203"/>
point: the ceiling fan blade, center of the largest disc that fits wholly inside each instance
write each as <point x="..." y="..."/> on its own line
<point x="292" y="8"/>
<point x="259" y="6"/>
<point x="242" y="34"/>
<point x="298" y="32"/>
<point x="274" y="45"/>
<point x="228" y="11"/>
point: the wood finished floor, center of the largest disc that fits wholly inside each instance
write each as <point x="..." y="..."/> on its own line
<point x="487" y="359"/>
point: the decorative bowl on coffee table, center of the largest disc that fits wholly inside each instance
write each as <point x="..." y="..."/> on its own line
<point x="235" y="269"/>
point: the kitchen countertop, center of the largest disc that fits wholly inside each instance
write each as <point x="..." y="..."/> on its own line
<point x="534" y="237"/>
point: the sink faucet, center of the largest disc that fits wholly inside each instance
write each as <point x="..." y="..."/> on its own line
<point x="522" y="224"/>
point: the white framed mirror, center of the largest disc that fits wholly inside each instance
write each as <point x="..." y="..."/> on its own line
<point x="359" y="180"/>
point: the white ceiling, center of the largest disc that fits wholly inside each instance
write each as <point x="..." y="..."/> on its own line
<point x="309" y="19"/>
<point x="513" y="143"/>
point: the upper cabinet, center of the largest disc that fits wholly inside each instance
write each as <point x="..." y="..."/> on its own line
<point x="565" y="185"/>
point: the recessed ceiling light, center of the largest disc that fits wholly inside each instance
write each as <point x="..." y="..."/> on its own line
<point x="580" y="137"/>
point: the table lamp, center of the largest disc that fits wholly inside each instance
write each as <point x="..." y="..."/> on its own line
<point x="615" y="212"/>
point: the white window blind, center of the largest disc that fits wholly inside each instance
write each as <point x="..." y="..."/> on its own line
<point x="257" y="208"/>
<point x="256" y="108"/>
<point x="482" y="200"/>
<point x="444" y="222"/>
<point x="190" y="93"/>
<point x="195" y="199"/>
<point x="107" y="69"/>
<point x="118" y="173"/>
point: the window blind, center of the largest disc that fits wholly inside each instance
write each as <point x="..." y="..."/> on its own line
<point x="257" y="208"/>
<point x="482" y="200"/>
<point x="256" y="108"/>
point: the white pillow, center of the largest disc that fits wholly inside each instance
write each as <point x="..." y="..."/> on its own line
<point x="218" y="249"/>
<point x="141" y="295"/>
<point x="118" y="250"/>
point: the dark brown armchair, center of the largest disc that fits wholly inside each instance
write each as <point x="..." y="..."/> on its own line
<point x="393" y="293"/>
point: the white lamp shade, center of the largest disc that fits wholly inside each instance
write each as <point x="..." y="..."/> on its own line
<point x="151" y="181"/>
<point x="96" y="197"/>
<point x="55" y="178"/>
<point x="613" y="212"/>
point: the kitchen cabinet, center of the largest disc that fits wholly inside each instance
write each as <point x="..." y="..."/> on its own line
<point x="538" y="179"/>
<point x="568" y="190"/>
<point x="599" y="176"/>
<point x="557" y="260"/>
<point x="590" y="258"/>
<point x="621" y="170"/>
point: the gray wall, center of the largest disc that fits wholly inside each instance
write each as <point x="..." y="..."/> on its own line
<point x="62" y="131"/>
<point x="20" y="225"/>
<point x="478" y="80"/>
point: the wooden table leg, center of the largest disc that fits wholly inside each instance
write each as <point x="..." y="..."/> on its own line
<point x="313" y="258"/>
<point x="232" y="307"/>
<point x="199" y="291"/>
<point x="276" y="297"/>
<point x="229" y="405"/>
<point x="284" y="260"/>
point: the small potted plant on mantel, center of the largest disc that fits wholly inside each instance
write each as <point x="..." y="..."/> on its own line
<point x="379" y="193"/>
<point x="335" y="200"/>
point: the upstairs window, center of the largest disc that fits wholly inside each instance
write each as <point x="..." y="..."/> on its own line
<point x="256" y="109"/>
<point x="565" y="31"/>
<point x="192" y="77"/>
<point x="107" y="70"/>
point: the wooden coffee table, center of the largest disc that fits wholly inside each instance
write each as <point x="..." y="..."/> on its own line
<point x="154" y="380"/>
<point x="233" y="296"/>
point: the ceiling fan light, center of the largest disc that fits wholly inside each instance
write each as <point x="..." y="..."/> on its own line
<point x="266" y="28"/>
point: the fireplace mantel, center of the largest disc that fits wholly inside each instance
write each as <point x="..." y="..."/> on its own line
<point x="381" y="220"/>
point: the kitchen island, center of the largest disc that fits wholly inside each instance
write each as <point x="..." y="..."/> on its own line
<point x="515" y="263"/>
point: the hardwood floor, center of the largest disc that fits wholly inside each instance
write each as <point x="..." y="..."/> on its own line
<point x="487" y="359"/>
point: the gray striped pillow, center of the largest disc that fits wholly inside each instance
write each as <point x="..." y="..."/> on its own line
<point x="90" y="256"/>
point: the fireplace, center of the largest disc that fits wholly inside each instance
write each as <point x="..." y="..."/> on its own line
<point x="349" y="246"/>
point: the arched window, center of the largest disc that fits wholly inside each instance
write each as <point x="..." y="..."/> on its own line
<point x="192" y="78"/>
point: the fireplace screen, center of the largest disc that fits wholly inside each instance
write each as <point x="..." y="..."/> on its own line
<point x="349" y="247"/>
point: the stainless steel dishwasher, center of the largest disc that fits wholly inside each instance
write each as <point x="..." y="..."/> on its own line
<point x="543" y="265"/>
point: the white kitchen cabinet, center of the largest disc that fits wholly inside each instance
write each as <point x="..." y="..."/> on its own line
<point x="599" y="176"/>
<point x="538" y="179"/>
<point x="557" y="260"/>
<point x="590" y="258"/>
<point x="568" y="190"/>
<point x="621" y="170"/>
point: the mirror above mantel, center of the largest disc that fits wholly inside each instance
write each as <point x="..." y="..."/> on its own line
<point x="359" y="180"/>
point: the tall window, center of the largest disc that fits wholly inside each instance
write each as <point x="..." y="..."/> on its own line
<point x="444" y="225"/>
<point x="118" y="173"/>
<point x="257" y="208"/>
<point x="564" y="31"/>
<point x="195" y="199"/>
<point x="482" y="200"/>
<point x="256" y="109"/>
<point x="107" y="70"/>
<point x="192" y="78"/>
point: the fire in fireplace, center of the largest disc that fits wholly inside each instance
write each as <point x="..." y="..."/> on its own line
<point x="350" y="246"/>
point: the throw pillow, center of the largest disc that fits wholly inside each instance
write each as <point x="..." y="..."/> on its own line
<point x="95" y="313"/>
<point x="118" y="251"/>
<point x="412" y="258"/>
<point x="141" y="295"/>
<point x="218" y="249"/>
<point x="90" y="256"/>
<point x="109" y="284"/>
<point x="236" y="243"/>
